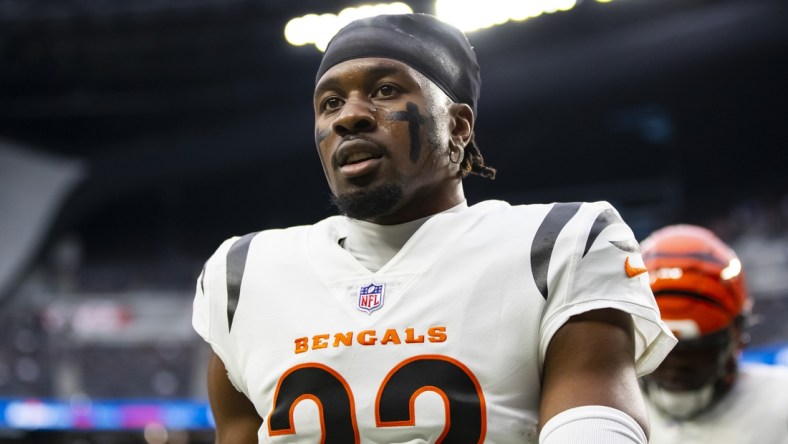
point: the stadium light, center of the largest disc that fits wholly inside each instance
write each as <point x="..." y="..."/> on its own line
<point x="471" y="15"/>
<point x="318" y="29"/>
<point x="468" y="15"/>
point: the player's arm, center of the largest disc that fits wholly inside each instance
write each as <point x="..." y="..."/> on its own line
<point x="236" y="419"/>
<point x="590" y="389"/>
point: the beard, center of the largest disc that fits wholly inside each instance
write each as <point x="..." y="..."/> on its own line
<point x="369" y="203"/>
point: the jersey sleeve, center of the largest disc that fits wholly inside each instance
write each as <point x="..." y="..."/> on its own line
<point x="595" y="264"/>
<point x="209" y="310"/>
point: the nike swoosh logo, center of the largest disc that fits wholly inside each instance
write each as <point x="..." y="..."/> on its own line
<point x="633" y="271"/>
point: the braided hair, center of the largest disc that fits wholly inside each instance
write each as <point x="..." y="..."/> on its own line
<point x="473" y="161"/>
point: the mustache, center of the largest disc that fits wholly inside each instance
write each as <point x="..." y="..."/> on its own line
<point x="339" y="153"/>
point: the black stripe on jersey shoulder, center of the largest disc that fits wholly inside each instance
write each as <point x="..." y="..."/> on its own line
<point x="202" y="277"/>
<point x="602" y="221"/>
<point x="236" y="263"/>
<point x="630" y="246"/>
<point x="544" y="241"/>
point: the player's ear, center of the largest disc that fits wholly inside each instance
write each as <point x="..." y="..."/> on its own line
<point x="462" y="121"/>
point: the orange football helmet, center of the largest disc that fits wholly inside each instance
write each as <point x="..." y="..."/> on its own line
<point x="698" y="281"/>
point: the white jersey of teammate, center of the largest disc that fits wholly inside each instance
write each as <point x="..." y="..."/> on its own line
<point x="444" y="343"/>
<point x="754" y="411"/>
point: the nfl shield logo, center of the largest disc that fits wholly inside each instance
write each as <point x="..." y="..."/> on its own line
<point x="370" y="297"/>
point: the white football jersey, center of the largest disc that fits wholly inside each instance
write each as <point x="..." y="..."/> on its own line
<point x="754" y="411"/>
<point x="444" y="343"/>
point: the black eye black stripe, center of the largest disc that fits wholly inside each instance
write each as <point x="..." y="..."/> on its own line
<point x="415" y="120"/>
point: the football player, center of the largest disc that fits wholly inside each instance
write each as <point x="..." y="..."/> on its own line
<point x="412" y="316"/>
<point x="700" y="393"/>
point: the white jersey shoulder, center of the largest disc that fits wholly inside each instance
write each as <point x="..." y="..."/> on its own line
<point x="456" y="323"/>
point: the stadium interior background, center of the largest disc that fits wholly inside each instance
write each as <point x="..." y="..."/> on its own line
<point x="135" y="136"/>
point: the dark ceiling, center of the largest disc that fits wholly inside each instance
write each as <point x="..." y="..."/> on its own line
<point x="194" y="117"/>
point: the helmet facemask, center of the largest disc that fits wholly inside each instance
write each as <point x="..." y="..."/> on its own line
<point x="695" y="374"/>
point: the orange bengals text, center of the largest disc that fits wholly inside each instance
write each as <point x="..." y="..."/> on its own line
<point x="390" y="336"/>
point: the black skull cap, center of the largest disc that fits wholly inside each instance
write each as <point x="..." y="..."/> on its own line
<point x="436" y="49"/>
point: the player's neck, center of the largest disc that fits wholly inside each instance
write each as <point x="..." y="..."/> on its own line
<point x="428" y="202"/>
<point x="373" y="245"/>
